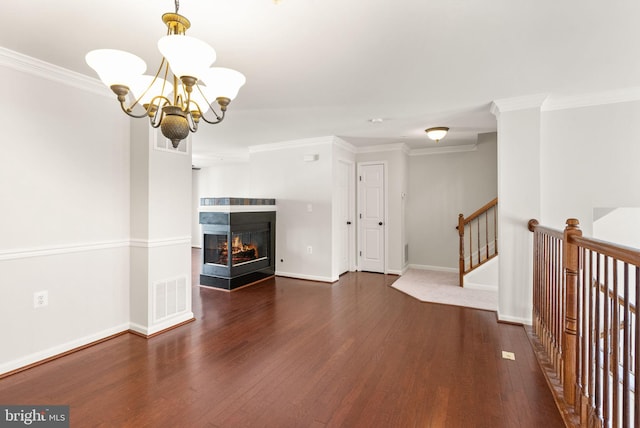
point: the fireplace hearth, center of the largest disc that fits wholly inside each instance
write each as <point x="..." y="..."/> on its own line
<point x="238" y="241"/>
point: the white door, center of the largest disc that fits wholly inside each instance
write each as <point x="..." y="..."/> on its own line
<point x="346" y="214"/>
<point x="371" y="217"/>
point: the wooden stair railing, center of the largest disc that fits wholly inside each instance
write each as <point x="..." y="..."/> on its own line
<point x="483" y="249"/>
<point x="585" y="328"/>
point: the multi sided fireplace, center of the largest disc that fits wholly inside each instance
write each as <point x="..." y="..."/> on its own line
<point x="238" y="241"/>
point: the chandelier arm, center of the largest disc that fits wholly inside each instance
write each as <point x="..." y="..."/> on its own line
<point x="164" y="82"/>
<point x="159" y="98"/>
<point x="193" y="124"/>
<point x="155" y="123"/>
<point x="219" y="118"/>
<point x="129" y="111"/>
<point x="148" y="109"/>
<point x="166" y="73"/>
<point x="202" y="116"/>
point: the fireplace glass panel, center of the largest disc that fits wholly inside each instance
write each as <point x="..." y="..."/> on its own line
<point x="215" y="249"/>
<point x="247" y="247"/>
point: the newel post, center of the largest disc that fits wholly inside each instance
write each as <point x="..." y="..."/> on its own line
<point x="461" y="261"/>
<point x="570" y="342"/>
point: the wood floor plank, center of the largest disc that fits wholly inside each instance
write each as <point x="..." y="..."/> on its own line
<point x="293" y="353"/>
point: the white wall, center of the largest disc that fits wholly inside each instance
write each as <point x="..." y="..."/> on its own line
<point x="304" y="199"/>
<point x="64" y="221"/>
<point x="589" y="159"/>
<point x="225" y="180"/>
<point x="518" y="202"/>
<point x="161" y="235"/>
<point x="441" y="186"/>
<point x="559" y="158"/>
<point x="303" y="192"/>
<point x="620" y="225"/>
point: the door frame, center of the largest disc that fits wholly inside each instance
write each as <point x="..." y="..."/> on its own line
<point x="351" y="208"/>
<point x="385" y="204"/>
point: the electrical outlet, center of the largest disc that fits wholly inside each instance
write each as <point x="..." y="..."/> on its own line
<point x="309" y="250"/>
<point x="508" y="355"/>
<point x="40" y="299"/>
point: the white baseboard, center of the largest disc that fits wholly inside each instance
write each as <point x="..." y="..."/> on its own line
<point x="173" y="321"/>
<point x="511" y="319"/>
<point x="438" y="268"/>
<point x="484" y="287"/>
<point x="60" y="349"/>
<point x="398" y="272"/>
<point x="307" y="277"/>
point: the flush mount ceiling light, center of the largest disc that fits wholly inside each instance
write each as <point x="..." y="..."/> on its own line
<point x="437" y="133"/>
<point x="184" y="88"/>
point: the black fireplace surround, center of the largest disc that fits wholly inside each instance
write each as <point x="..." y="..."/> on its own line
<point x="238" y="248"/>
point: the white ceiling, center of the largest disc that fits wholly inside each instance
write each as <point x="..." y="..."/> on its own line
<point x="325" y="67"/>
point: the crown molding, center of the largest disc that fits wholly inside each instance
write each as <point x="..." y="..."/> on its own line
<point x="443" y="150"/>
<point x="549" y="102"/>
<point x="206" y="160"/>
<point x="306" y="142"/>
<point x="339" y="142"/>
<point x="384" y="148"/>
<point x="517" y="103"/>
<point x="592" y="99"/>
<point x="26" y="64"/>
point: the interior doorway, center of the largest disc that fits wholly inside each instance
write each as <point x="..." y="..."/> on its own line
<point x="371" y="216"/>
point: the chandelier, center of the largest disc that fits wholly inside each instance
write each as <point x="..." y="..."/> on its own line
<point x="184" y="88"/>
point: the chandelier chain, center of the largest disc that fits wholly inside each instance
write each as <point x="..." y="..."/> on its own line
<point x="177" y="5"/>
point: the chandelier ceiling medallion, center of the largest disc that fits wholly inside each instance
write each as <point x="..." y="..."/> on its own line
<point x="184" y="88"/>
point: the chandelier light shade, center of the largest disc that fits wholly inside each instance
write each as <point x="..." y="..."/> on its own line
<point x="223" y="82"/>
<point x="114" y="66"/>
<point x="184" y="88"/>
<point x="145" y="87"/>
<point x="437" y="133"/>
<point x="187" y="56"/>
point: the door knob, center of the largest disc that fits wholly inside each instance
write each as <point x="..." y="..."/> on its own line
<point x="348" y="222"/>
<point x="379" y="223"/>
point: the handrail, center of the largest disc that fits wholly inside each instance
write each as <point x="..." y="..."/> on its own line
<point x="483" y="251"/>
<point x="534" y="226"/>
<point x="481" y="211"/>
<point x="618" y="252"/>
<point x="586" y="327"/>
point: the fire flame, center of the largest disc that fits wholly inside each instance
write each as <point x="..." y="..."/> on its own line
<point x="238" y="246"/>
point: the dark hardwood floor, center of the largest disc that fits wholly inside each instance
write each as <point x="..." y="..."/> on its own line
<point x="292" y="353"/>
